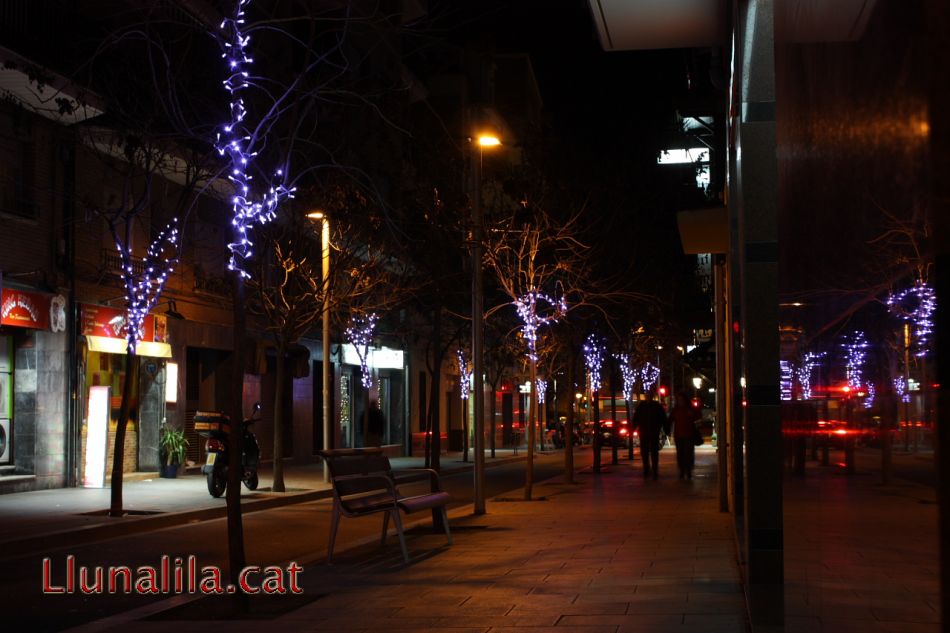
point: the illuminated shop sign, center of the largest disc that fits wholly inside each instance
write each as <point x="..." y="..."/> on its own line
<point x="24" y="309"/>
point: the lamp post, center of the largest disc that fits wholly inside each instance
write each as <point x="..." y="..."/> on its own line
<point x="478" y="387"/>
<point x="325" y="342"/>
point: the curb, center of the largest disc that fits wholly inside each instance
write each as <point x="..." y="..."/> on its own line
<point x="137" y="525"/>
<point x="132" y="525"/>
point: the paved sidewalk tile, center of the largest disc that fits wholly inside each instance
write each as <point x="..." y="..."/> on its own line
<point x="610" y="553"/>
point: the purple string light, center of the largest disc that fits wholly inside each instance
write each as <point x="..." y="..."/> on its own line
<point x="465" y="375"/>
<point x="649" y="374"/>
<point x="360" y="335"/>
<point x="594" y="359"/>
<point x="855" y="356"/>
<point x="805" y="371"/>
<point x="629" y="375"/>
<point x="528" y="310"/>
<point x="542" y="386"/>
<point x="143" y="289"/>
<point x="234" y="141"/>
<point x="785" y="379"/>
<point x="900" y="387"/>
<point x="916" y="305"/>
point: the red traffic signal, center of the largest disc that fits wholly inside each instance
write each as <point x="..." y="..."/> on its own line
<point x="662" y="390"/>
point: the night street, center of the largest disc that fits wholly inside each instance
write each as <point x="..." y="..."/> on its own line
<point x="261" y="261"/>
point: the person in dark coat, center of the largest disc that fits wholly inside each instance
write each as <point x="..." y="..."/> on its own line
<point x="376" y="425"/>
<point x="649" y="419"/>
<point x="684" y="417"/>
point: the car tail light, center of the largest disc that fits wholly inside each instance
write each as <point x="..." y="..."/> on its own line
<point x="623" y="431"/>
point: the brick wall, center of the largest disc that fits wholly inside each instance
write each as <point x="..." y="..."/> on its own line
<point x="130" y="464"/>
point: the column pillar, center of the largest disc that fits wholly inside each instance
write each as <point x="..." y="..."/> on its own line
<point x="757" y="206"/>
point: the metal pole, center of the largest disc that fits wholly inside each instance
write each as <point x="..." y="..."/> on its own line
<point x="478" y="386"/>
<point x="325" y="252"/>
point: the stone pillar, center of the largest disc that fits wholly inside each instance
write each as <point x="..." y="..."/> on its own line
<point x="24" y="402"/>
<point x="757" y="205"/>
<point x="151" y="412"/>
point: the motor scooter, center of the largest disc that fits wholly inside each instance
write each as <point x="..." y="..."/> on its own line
<point x="216" y="427"/>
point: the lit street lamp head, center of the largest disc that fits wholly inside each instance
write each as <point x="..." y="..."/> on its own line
<point x="488" y="140"/>
<point x="316" y="215"/>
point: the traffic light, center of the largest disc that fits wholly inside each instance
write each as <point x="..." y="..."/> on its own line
<point x="662" y="391"/>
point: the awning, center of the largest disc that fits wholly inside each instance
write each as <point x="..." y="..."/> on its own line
<point x="119" y="346"/>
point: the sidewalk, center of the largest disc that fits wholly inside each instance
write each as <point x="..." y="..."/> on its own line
<point x="28" y="520"/>
<point x="611" y="553"/>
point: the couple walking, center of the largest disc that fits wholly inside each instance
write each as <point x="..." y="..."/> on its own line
<point x="650" y="419"/>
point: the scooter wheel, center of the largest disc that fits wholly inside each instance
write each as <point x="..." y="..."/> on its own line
<point x="251" y="482"/>
<point x="217" y="482"/>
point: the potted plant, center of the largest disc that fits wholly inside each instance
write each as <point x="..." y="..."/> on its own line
<point x="172" y="447"/>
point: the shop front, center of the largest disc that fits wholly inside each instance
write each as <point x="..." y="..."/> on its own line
<point x="386" y="392"/>
<point x="33" y="391"/>
<point x="102" y="376"/>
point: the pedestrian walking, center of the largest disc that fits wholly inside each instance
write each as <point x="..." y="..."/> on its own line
<point x="649" y="419"/>
<point x="683" y="417"/>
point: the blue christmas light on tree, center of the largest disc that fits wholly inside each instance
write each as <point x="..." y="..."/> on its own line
<point x="236" y="141"/>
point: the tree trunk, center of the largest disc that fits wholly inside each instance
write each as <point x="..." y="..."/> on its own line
<point x="615" y="430"/>
<point x="629" y="430"/>
<point x="436" y="442"/>
<point x="278" y="484"/>
<point x="532" y="417"/>
<point x="569" y="427"/>
<point x="118" y="451"/>
<point x="491" y="423"/>
<point x="236" y="557"/>
<point x="595" y="412"/>
<point x="464" y="430"/>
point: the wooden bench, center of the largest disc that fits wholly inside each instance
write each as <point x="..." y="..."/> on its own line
<point x="364" y="483"/>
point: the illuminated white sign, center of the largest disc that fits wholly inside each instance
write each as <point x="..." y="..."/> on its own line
<point x="680" y="156"/>
<point x="171" y="382"/>
<point x="382" y="358"/>
<point x="97" y="437"/>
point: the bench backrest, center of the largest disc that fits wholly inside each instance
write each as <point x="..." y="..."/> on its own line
<point x="343" y="465"/>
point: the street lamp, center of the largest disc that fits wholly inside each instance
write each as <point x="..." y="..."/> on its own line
<point x="478" y="386"/>
<point x="320" y="216"/>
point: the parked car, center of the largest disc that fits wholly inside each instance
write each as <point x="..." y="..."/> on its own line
<point x="622" y="438"/>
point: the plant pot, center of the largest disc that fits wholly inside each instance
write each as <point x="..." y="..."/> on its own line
<point x="169" y="471"/>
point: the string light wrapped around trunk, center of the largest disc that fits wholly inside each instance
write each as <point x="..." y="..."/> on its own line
<point x="235" y="141"/>
<point x="143" y="289"/>
<point x="649" y="374"/>
<point x="465" y="375"/>
<point x="531" y="308"/>
<point x="629" y="375"/>
<point x="916" y="305"/>
<point x="360" y="335"/>
<point x="594" y="359"/>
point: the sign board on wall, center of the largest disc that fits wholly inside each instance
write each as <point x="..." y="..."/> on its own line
<point x="24" y="309"/>
<point x="110" y="322"/>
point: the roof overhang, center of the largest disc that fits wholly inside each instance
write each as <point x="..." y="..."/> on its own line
<point x="625" y="25"/>
<point x="43" y="92"/>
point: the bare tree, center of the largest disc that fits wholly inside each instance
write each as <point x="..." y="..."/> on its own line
<point x="537" y="264"/>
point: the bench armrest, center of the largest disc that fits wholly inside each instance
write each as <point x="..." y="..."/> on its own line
<point x="349" y="481"/>
<point x="410" y="475"/>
